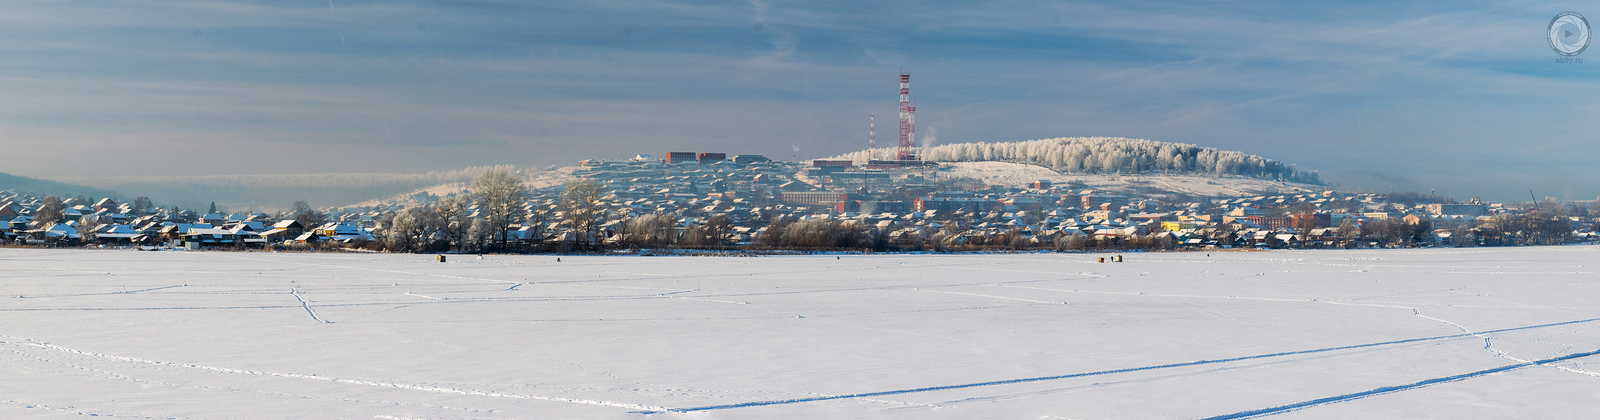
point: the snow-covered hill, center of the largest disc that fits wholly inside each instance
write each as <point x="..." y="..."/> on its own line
<point x="275" y="191"/>
<point x="533" y="179"/>
<point x="1114" y="155"/>
<point x="1017" y="175"/>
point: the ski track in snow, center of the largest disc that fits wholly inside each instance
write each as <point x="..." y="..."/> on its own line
<point x="423" y="296"/>
<point x="988" y="296"/>
<point x="307" y="305"/>
<point x="366" y="382"/>
<point x="99" y="373"/>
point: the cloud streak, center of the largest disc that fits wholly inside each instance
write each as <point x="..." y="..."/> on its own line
<point x="1454" y="96"/>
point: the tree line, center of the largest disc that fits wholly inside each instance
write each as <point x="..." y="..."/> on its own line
<point x="1115" y="155"/>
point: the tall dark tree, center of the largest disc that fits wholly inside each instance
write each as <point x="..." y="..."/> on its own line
<point x="142" y="205"/>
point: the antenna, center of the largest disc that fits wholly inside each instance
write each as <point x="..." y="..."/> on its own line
<point x="872" y="138"/>
<point x="908" y="124"/>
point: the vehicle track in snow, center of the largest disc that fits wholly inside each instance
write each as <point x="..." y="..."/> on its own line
<point x="1115" y="371"/>
<point x="1262" y="412"/>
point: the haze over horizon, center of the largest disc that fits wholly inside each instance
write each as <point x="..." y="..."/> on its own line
<point x="1466" y="98"/>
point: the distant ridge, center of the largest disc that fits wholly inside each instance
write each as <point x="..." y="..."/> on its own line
<point x="1113" y="155"/>
<point x="56" y="188"/>
<point x="277" y="191"/>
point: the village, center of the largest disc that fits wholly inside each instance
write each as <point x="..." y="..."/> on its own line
<point x="710" y="201"/>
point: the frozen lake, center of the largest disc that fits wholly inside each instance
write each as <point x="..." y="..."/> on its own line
<point x="1446" y="333"/>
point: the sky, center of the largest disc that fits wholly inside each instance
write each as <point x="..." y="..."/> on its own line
<point x="1463" y="98"/>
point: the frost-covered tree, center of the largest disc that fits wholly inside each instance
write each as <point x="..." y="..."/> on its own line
<point x="451" y="215"/>
<point x="499" y="193"/>
<point x="583" y="209"/>
<point x="1114" y="155"/>
<point x="650" y="230"/>
<point x="414" y="229"/>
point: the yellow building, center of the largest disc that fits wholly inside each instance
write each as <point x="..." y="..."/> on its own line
<point x="1177" y="226"/>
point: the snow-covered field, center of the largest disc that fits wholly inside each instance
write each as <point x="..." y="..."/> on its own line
<point x="1473" y="333"/>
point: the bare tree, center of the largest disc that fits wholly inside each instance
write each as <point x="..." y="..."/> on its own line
<point x="536" y="221"/>
<point x="451" y="215"/>
<point x="1348" y="231"/>
<point x="307" y="216"/>
<point x="713" y="234"/>
<point x="717" y="230"/>
<point x="1463" y="236"/>
<point x="583" y="209"/>
<point x="499" y="194"/>
<point x="50" y="210"/>
<point x="650" y="230"/>
<point x="87" y="230"/>
<point x="773" y="235"/>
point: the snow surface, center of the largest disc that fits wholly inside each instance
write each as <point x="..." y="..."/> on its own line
<point x="1442" y="333"/>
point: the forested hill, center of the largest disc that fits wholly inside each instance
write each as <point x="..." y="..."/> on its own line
<point x="48" y="187"/>
<point x="276" y="192"/>
<point x="1114" y="155"/>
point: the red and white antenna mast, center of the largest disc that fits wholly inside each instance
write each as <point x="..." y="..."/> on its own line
<point x="908" y="120"/>
<point x="872" y="138"/>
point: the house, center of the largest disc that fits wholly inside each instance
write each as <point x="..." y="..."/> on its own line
<point x="116" y="234"/>
<point x="308" y="237"/>
<point x="343" y="232"/>
<point x="9" y="210"/>
<point x="339" y="229"/>
<point x="250" y="226"/>
<point x="1245" y="212"/>
<point x="246" y="235"/>
<point x="106" y="204"/>
<point x="174" y="232"/>
<point x="1313" y="221"/>
<point x="292" y="228"/>
<point x="196" y="238"/>
<point x="56" y="233"/>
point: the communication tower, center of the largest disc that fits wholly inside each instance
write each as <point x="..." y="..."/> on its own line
<point x="872" y="137"/>
<point x="908" y="120"/>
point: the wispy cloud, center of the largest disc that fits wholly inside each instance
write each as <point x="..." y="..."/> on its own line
<point x="1417" y="89"/>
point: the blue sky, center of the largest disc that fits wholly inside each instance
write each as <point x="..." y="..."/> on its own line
<point x="1463" y="97"/>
